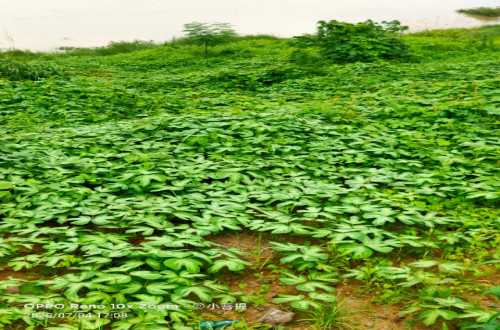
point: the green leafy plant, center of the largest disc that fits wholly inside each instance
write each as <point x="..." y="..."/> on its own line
<point x="144" y="178"/>
<point x="362" y="42"/>
<point x="439" y="306"/>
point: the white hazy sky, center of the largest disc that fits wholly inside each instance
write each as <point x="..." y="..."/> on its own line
<point x="46" y="24"/>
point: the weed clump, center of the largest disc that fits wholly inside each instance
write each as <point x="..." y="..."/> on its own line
<point x="330" y="316"/>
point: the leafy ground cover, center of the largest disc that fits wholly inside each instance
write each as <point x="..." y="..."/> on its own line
<point x="134" y="180"/>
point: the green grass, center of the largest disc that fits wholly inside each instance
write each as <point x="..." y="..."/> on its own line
<point x="116" y="167"/>
<point x="331" y="316"/>
<point x="482" y="11"/>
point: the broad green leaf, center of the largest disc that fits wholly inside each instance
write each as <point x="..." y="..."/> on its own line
<point x="232" y="264"/>
<point x="131" y="287"/>
<point x="284" y="299"/>
<point x="357" y="251"/>
<point x="305" y="305"/>
<point x="450" y="267"/>
<point x="160" y="288"/>
<point x="147" y="275"/>
<point x="202" y="293"/>
<point x="149" y="299"/>
<point x="113" y="279"/>
<point x="314" y="286"/>
<point x="4" y="185"/>
<point x="424" y="263"/>
<point x="191" y="265"/>
<point x="430" y="317"/>
<point x="323" y="297"/>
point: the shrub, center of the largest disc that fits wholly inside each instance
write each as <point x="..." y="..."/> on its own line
<point x="362" y="42"/>
<point x="481" y="11"/>
<point x="14" y="70"/>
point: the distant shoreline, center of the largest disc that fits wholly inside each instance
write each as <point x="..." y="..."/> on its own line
<point x="57" y="49"/>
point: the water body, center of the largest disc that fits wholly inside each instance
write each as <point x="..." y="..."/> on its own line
<point x="48" y="24"/>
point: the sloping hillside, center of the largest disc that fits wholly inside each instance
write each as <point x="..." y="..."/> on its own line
<point x="243" y="181"/>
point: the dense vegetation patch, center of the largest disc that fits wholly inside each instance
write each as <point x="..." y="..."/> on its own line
<point x="15" y="70"/>
<point x="117" y="47"/>
<point x="114" y="181"/>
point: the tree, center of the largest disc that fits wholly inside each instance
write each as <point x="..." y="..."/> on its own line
<point x="207" y="35"/>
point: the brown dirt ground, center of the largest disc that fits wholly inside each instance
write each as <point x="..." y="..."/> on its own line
<point x="7" y="273"/>
<point x="365" y="314"/>
<point x="28" y="275"/>
<point x="491" y="278"/>
<point x="361" y="312"/>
